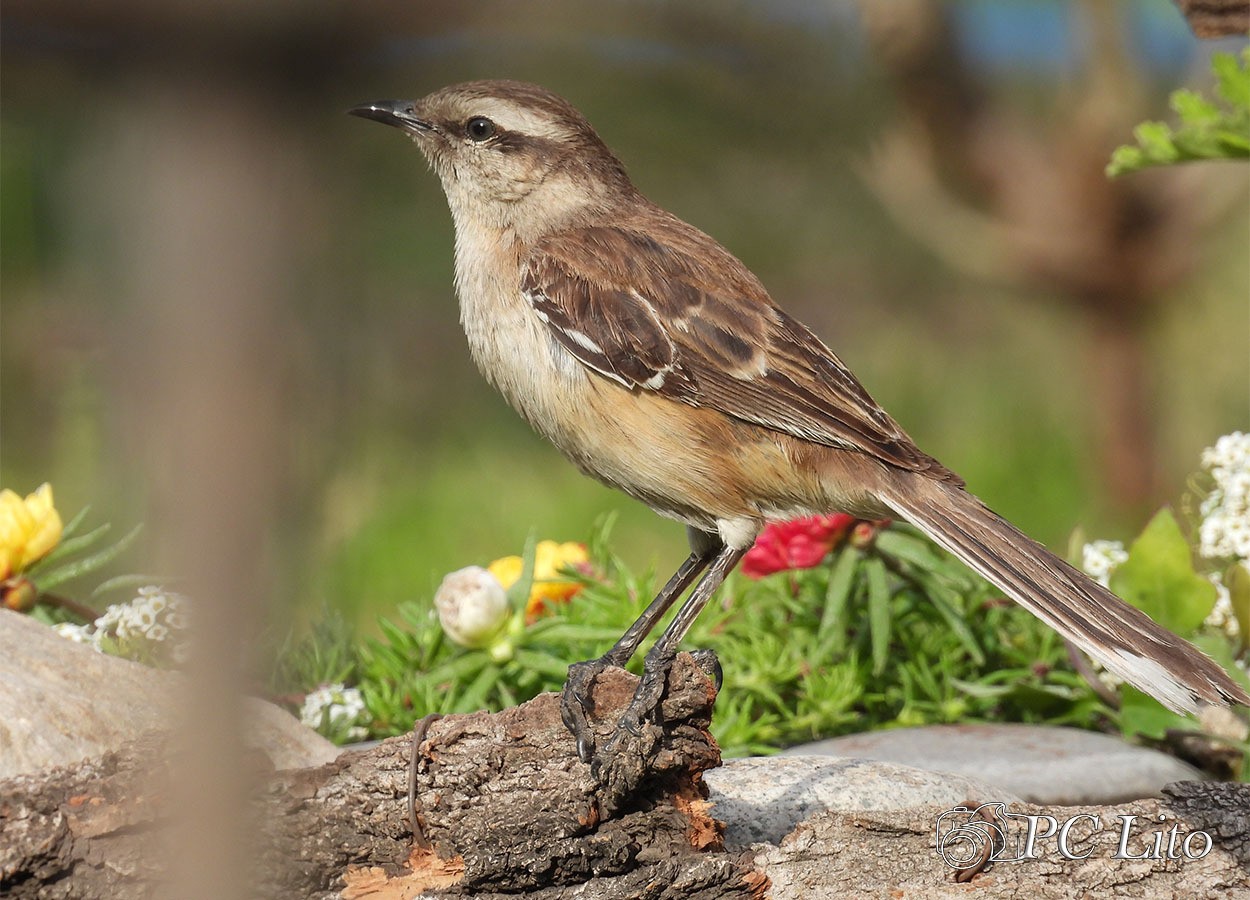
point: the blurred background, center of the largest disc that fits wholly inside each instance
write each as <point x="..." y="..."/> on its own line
<point x="228" y="308"/>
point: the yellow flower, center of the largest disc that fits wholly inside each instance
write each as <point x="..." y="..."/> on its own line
<point x="29" y="529"/>
<point x="550" y="558"/>
<point x="507" y="570"/>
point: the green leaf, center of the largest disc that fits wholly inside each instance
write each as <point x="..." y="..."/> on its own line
<point x="519" y="593"/>
<point x="1234" y="143"/>
<point x="1237" y="580"/>
<point x="1220" y="649"/>
<point x="474" y="696"/>
<point x="1194" y="108"/>
<point x="1156" y="139"/>
<point x="459" y="667"/>
<point x="1159" y="578"/>
<point x="1232" y="79"/>
<point x="543" y="663"/>
<point x="1126" y="159"/>
<point x="71" y="527"/>
<point x="1141" y="714"/>
<point x="1205" y="130"/>
<point x="391" y="631"/>
<point x="985" y="691"/>
<point x="956" y="622"/>
<point x="552" y="629"/>
<point x="836" y="596"/>
<point x="70" y="546"/>
<point x="878" y="613"/>
<point x="908" y="547"/>
<point x="72" y="570"/>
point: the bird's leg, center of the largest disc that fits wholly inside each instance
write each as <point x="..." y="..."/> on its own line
<point x="659" y="661"/>
<point x="576" y="700"/>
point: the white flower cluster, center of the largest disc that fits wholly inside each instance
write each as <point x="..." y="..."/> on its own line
<point x="1225" y="528"/>
<point x="334" y="710"/>
<point x="1100" y="558"/>
<point x="154" y="617"/>
<point x="79" y="634"/>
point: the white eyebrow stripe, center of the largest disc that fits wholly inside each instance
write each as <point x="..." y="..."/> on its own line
<point x="511" y="117"/>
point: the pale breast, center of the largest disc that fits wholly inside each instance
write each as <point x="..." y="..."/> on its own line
<point x="691" y="464"/>
<point x="506" y="340"/>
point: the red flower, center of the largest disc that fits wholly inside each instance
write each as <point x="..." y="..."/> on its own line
<point x="796" y="544"/>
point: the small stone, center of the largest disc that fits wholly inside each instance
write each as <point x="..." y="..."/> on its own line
<point x="763" y="798"/>
<point x="63" y="702"/>
<point x="1039" y="763"/>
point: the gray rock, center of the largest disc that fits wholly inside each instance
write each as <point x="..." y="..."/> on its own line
<point x="1040" y="763"/>
<point x="763" y="798"/>
<point x="288" y="742"/>
<point x="62" y="702"/>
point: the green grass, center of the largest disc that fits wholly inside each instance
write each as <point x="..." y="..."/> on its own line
<point x="895" y="633"/>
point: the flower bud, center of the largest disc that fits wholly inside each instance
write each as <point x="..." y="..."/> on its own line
<point x="18" y="594"/>
<point x="863" y="534"/>
<point x="472" y="606"/>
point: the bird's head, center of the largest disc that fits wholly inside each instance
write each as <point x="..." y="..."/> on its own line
<point x="508" y="153"/>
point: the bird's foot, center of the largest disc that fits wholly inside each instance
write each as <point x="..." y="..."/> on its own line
<point x="624" y="759"/>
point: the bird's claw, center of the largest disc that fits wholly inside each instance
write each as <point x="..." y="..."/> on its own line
<point x="710" y="664"/>
<point x="577" y="703"/>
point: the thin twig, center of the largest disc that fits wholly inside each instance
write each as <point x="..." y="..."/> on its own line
<point x="73" y="607"/>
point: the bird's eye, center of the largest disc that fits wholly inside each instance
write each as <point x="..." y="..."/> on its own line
<point x="479" y="129"/>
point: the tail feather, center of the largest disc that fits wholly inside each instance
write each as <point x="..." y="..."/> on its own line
<point x="1122" y="638"/>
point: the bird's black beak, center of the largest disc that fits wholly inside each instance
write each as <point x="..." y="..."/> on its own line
<point x="400" y="113"/>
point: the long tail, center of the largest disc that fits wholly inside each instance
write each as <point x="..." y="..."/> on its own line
<point x="1122" y="638"/>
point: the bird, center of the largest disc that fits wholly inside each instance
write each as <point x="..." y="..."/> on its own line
<point x="658" y="363"/>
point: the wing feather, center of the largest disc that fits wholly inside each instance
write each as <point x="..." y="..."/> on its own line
<point x="664" y="308"/>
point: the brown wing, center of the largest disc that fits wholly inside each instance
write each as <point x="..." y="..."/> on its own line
<point x="670" y="311"/>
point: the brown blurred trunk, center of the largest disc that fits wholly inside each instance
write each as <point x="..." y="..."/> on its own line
<point x="1121" y="400"/>
<point x="1053" y="223"/>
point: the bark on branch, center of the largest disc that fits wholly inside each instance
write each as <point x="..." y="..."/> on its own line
<point x="892" y="854"/>
<point x="505" y="803"/>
